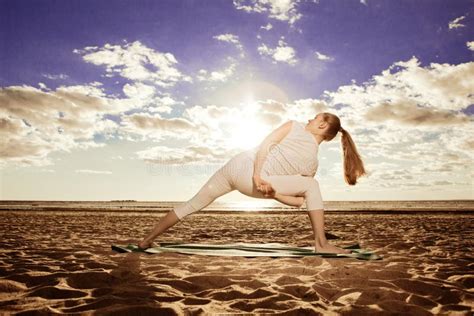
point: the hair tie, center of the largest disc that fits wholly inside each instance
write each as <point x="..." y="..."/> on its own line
<point x="341" y="129"/>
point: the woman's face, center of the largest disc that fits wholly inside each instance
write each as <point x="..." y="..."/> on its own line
<point x="317" y="125"/>
<point x="316" y="121"/>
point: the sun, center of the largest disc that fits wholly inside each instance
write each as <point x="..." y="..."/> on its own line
<point x="247" y="131"/>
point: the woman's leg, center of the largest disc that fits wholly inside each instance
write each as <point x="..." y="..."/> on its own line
<point x="294" y="185"/>
<point x="241" y="172"/>
<point x="217" y="185"/>
<point x="298" y="185"/>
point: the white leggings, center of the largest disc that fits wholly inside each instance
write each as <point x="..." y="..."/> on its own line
<point x="237" y="174"/>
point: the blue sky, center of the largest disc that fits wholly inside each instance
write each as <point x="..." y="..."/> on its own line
<point x="146" y="99"/>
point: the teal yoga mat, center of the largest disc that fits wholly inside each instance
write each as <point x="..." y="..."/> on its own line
<point x="274" y="250"/>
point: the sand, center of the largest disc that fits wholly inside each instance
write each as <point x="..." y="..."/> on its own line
<point x="61" y="262"/>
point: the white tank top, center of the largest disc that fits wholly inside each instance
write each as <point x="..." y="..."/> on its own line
<point x="297" y="153"/>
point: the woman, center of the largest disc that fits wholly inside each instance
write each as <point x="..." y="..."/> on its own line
<point x="282" y="167"/>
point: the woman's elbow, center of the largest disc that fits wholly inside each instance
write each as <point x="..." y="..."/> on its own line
<point x="300" y="202"/>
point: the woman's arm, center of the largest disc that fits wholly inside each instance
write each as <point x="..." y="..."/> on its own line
<point x="271" y="140"/>
<point x="289" y="200"/>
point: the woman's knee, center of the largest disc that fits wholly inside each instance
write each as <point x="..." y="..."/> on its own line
<point x="183" y="210"/>
<point x="242" y="181"/>
<point x="313" y="184"/>
<point x="313" y="196"/>
<point x="309" y="185"/>
<point x="209" y="192"/>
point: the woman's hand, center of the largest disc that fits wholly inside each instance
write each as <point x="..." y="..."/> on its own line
<point x="268" y="191"/>
<point x="264" y="186"/>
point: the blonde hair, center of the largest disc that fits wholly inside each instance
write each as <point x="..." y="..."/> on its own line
<point x="353" y="164"/>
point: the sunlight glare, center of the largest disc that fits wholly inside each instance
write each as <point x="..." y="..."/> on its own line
<point x="247" y="131"/>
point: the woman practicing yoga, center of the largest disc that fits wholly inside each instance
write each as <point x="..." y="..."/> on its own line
<point x="282" y="167"/>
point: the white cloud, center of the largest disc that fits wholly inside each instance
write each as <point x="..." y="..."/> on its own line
<point x="411" y="116"/>
<point x="47" y="170"/>
<point x="223" y="74"/>
<point x="408" y="115"/>
<point x="178" y="156"/>
<point x="283" y="10"/>
<point x="304" y="109"/>
<point x="153" y="126"/>
<point x="411" y="113"/>
<point x="454" y="24"/>
<point x="233" y="39"/>
<point x="441" y="86"/>
<point x="470" y="45"/>
<point x="323" y="57"/>
<point x="267" y="27"/>
<point x="205" y="127"/>
<point x="138" y="90"/>
<point x="281" y="53"/>
<point x="36" y="122"/>
<point x="56" y="77"/>
<point x="88" y="171"/>
<point x="217" y="75"/>
<point x="216" y="127"/>
<point x="136" y="62"/>
<point x="146" y="97"/>
<point x="162" y="105"/>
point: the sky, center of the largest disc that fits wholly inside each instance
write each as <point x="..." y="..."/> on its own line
<point x="145" y="100"/>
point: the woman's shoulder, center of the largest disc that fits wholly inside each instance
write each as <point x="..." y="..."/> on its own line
<point x="294" y="123"/>
<point x="292" y="127"/>
<point x="289" y="127"/>
<point x="297" y="124"/>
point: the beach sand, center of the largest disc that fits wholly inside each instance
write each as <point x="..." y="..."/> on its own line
<point x="53" y="262"/>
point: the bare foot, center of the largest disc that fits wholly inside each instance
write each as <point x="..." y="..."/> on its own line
<point x="328" y="248"/>
<point x="143" y="245"/>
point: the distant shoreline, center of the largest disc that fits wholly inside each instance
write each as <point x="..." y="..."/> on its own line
<point x="257" y="212"/>
<point x="372" y="207"/>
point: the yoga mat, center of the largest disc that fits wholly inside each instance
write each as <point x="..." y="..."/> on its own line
<point x="274" y="250"/>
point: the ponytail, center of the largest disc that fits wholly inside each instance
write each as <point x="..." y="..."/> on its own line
<point x="353" y="165"/>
